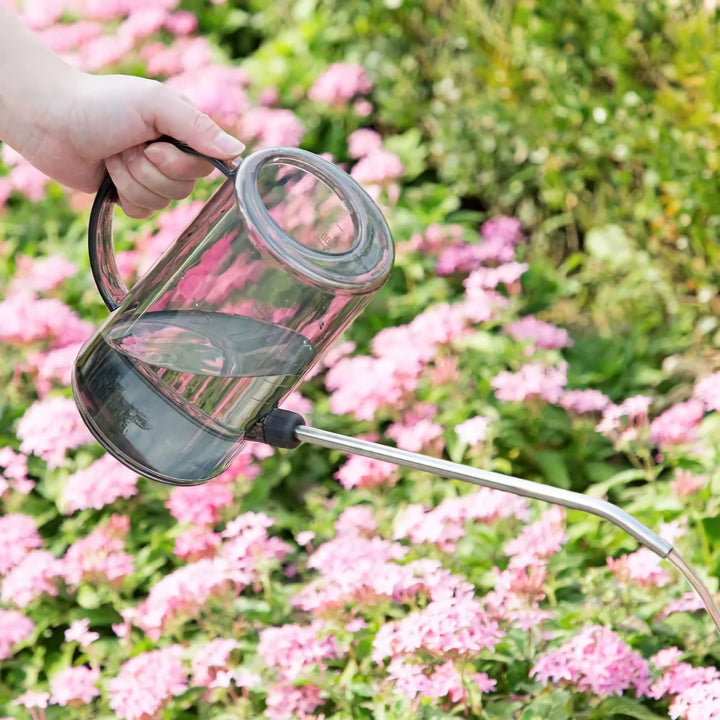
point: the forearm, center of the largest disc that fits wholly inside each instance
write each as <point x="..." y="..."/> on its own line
<point x="33" y="80"/>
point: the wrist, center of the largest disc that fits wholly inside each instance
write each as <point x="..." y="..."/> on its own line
<point x="35" y="85"/>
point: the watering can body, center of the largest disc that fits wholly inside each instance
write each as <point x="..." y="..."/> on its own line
<point x="277" y="263"/>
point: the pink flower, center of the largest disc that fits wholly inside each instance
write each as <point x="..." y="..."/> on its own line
<point x="41" y="275"/>
<point x="211" y="657"/>
<point x="14" y="628"/>
<point x="679" y="677"/>
<point x="360" y="471"/>
<point x="699" y="702"/>
<point x="539" y="333"/>
<point x="291" y="648"/>
<point x="416" y="434"/>
<point x="708" y="390"/>
<point x="15" y="472"/>
<point x="25" y="319"/>
<point x="79" y="631"/>
<point x="584" y="401"/>
<point x="285" y="701"/>
<point x="33" y="699"/>
<point x="685" y="483"/>
<point x="34" y="575"/>
<point x="51" y="427"/>
<point x="507" y="274"/>
<point x="445" y="524"/>
<point x="18" y="535"/>
<point x="196" y="543"/>
<point x="379" y="167"/>
<point x="340" y="83"/>
<point x="538" y="541"/>
<point x="74" y="685"/>
<point x="99" y="557"/>
<point x="200" y="505"/>
<point x="678" y="425"/>
<point x="666" y="658"/>
<point x="473" y="431"/>
<point x="623" y="423"/>
<point x="181" y="22"/>
<point x="185" y="54"/>
<point x="147" y="682"/>
<point x="271" y="127"/>
<point x="62" y="37"/>
<point x="100" y="484"/>
<point x="642" y="567"/>
<point x="532" y="381"/>
<point x="595" y="660"/>
<point x="363" y="142"/>
<point x="53" y="367"/>
<point x="502" y="228"/>
<point x="447" y="625"/>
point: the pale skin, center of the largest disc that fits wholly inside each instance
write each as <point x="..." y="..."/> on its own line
<point x="75" y="127"/>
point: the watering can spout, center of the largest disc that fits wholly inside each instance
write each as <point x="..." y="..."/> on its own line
<point x="285" y="429"/>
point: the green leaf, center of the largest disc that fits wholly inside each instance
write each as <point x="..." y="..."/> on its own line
<point x="548" y="707"/>
<point x="622" y="705"/>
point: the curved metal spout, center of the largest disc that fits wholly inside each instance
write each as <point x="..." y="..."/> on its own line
<point x="295" y="432"/>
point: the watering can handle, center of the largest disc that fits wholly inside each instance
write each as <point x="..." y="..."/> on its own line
<point x="100" y="238"/>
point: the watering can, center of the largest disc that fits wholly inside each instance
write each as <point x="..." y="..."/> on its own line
<point x="195" y="359"/>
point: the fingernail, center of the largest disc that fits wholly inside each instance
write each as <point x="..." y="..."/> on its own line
<point x="228" y="145"/>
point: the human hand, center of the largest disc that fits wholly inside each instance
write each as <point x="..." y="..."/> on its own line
<point x="105" y="122"/>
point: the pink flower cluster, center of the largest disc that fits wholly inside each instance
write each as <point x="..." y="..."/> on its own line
<point x="271" y="127"/>
<point x="534" y="381"/>
<point x="677" y="425"/>
<point x="340" y="83"/>
<point x="391" y="374"/>
<point x="474" y="430"/>
<point x="499" y="236"/>
<point x="200" y="505"/>
<point x="14" y="473"/>
<point x="100" y="556"/>
<point x="146" y="682"/>
<point x="211" y="658"/>
<point x="696" y="690"/>
<point x="642" y="567"/>
<point x="18" y="535"/>
<point x="292" y="648"/>
<point x="50" y="428"/>
<point x="285" y="701"/>
<point x="452" y="623"/>
<point x="595" y="660"/>
<point x="98" y="485"/>
<point x="37" y="573"/>
<point x="357" y="567"/>
<point x="364" y="472"/>
<point x="14" y="628"/>
<point x="538" y="334"/>
<point x="26" y="319"/>
<point x="584" y="401"/>
<point x="538" y="541"/>
<point x="74" y="685"/>
<point x="627" y="422"/>
<point x="236" y="564"/>
<point x="707" y="390"/>
<point x="445" y="524"/>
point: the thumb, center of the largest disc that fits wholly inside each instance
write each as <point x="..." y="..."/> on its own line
<point x="170" y="113"/>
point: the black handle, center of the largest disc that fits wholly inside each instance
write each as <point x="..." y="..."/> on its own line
<point x="100" y="241"/>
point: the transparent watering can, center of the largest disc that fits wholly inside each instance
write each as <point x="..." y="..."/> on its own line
<point x="194" y="359"/>
<point x="277" y="263"/>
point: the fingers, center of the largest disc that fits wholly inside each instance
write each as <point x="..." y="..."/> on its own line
<point x="144" y="186"/>
<point x="170" y="113"/>
<point x="176" y="164"/>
